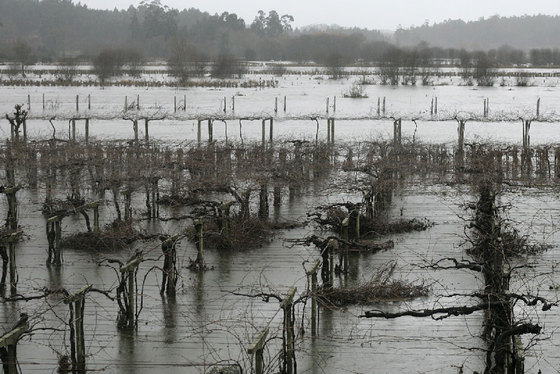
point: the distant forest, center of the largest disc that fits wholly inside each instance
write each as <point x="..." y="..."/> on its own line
<point x="54" y="30"/>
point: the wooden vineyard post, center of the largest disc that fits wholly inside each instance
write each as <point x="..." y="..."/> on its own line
<point x="11" y="240"/>
<point x="12" y="218"/>
<point x="461" y="136"/>
<point x="127" y="204"/>
<point x="346" y="236"/>
<point x="356" y="214"/>
<point x="378" y="107"/>
<point x="432" y="107"/>
<point x="77" y="103"/>
<point x="312" y="273"/>
<point x="233" y="103"/>
<point x="54" y="234"/>
<point x="9" y="341"/>
<point x="285" y="103"/>
<point x="96" y="219"/>
<point x="538" y="107"/>
<point x="210" y="131"/>
<point x="256" y="348"/>
<point x="224" y="210"/>
<point x="130" y="270"/>
<point x="73" y="121"/>
<point x="24" y="125"/>
<point x="275" y="105"/>
<point x="199" y="228"/>
<point x="146" y="131"/>
<point x="199" y="132"/>
<point x="174" y="104"/>
<point x="383" y="105"/>
<point x="289" y="351"/>
<point x="271" y="129"/>
<point x="330" y="122"/>
<point x="397" y="133"/>
<point x="327" y="105"/>
<point x="263" y="132"/>
<point x="76" y="303"/>
<point x="89" y="101"/>
<point x="135" y="128"/>
<point x="526" y="140"/>
<point x="169" y="278"/>
<point x="87" y="130"/>
<point x="334" y="104"/>
<point x="125" y="103"/>
<point x="137" y="102"/>
<point x="184" y="103"/>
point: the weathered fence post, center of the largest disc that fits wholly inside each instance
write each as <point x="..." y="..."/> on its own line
<point x="76" y="303"/>
<point x="146" y="130"/>
<point x="538" y="107"/>
<point x="397" y="133"/>
<point x="378" y="106"/>
<point x="125" y="103"/>
<point x="256" y="348"/>
<point x="96" y="218"/>
<point x="137" y="102"/>
<point x="169" y="277"/>
<point x="73" y="122"/>
<point x="9" y="259"/>
<point x="87" y="130"/>
<point x="288" y="343"/>
<point x="284" y="103"/>
<point x="199" y="132"/>
<point x="89" y="101"/>
<point x="8" y="343"/>
<point x="174" y="104"/>
<point x="77" y="103"/>
<point x="43" y="102"/>
<point x="210" y="131"/>
<point x="263" y="132"/>
<point x="334" y="104"/>
<point x="199" y="228"/>
<point x="383" y="105"/>
<point x="271" y="129"/>
<point x="327" y="105"/>
<point x="54" y="235"/>
<point x="28" y="103"/>
<point x="275" y="105"/>
<point x="314" y="312"/>
<point x="135" y="128"/>
<point x="130" y="269"/>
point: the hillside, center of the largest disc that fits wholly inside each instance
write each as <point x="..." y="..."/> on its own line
<point x="525" y="32"/>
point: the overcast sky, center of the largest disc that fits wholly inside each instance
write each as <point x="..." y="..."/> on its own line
<point x="371" y="14"/>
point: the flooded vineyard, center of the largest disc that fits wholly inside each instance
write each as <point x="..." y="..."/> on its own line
<point x="375" y="236"/>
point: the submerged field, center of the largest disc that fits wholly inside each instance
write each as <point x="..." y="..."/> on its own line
<point x="163" y="185"/>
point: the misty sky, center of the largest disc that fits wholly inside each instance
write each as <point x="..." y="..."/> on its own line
<point x="372" y="14"/>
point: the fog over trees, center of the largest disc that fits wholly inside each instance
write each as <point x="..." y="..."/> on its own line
<point x="51" y="30"/>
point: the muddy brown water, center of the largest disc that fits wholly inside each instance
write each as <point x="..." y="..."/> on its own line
<point x="208" y="325"/>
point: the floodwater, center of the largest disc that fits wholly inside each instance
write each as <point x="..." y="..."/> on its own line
<point x="208" y="325"/>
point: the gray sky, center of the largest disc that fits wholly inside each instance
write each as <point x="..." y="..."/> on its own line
<point x="372" y="14"/>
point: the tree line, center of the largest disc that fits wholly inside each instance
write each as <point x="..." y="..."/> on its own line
<point x="60" y="30"/>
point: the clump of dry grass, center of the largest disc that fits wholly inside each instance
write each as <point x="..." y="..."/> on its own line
<point x="243" y="234"/>
<point x="58" y="206"/>
<point x="113" y="237"/>
<point x="381" y="288"/>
